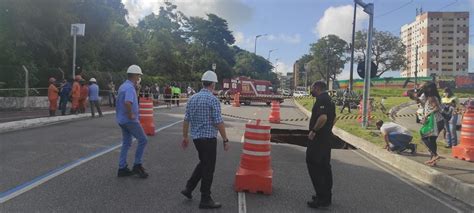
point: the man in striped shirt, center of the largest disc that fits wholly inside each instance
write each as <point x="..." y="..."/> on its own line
<point x="203" y="113"/>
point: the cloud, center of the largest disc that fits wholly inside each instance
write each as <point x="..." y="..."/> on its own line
<point x="338" y="21"/>
<point x="234" y="11"/>
<point x="281" y="67"/>
<point x="292" y="39"/>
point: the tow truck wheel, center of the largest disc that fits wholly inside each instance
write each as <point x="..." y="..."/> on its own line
<point x="247" y="103"/>
<point x="268" y="103"/>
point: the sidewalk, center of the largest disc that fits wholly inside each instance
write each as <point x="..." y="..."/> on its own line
<point x="451" y="176"/>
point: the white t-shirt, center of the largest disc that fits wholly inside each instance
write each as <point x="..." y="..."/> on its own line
<point x="391" y="127"/>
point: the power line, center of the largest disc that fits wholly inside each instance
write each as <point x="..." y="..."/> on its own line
<point x="391" y="11"/>
<point x="454" y="2"/>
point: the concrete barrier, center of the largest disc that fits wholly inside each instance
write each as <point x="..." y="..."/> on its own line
<point x="441" y="181"/>
<point x="34" y="102"/>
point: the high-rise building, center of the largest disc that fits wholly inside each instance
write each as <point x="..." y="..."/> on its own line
<point x="443" y="44"/>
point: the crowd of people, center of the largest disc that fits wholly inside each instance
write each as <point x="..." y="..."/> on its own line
<point x="76" y="91"/>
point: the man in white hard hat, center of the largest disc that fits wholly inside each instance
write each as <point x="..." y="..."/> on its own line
<point x="203" y="113"/>
<point x="127" y="118"/>
<point x="94" y="97"/>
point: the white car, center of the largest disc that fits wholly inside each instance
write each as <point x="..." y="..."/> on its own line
<point x="300" y="94"/>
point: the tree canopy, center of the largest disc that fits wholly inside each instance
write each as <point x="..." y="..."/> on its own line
<point x="169" y="46"/>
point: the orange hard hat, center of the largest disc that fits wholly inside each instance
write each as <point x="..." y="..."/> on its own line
<point x="77" y="78"/>
<point x="52" y="80"/>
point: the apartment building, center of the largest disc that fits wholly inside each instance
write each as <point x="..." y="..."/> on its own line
<point x="443" y="44"/>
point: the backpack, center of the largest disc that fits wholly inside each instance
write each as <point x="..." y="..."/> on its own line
<point x="445" y="112"/>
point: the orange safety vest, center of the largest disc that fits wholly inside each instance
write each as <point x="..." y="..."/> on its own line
<point x="84" y="92"/>
<point x="76" y="90"/>
<point x="52" y="92"/>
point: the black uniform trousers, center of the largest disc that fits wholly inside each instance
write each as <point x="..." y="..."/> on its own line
<point x="204" y="171"/>
<point x="318" y="161"/>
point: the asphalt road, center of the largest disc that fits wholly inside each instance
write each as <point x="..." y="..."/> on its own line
<point x="360" y="184"/>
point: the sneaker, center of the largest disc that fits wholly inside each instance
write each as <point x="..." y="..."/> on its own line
<point x="124" y="172"/>
<point x="209" y="204"/>
<point x="187" y="193"/>
<point x="447" y="146"/>
<point x="140" y="171"/>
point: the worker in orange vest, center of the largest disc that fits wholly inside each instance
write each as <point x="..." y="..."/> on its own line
<point x="83" y="97"/>
<point x="76" y="94"/>
<point x="52" y="97"/>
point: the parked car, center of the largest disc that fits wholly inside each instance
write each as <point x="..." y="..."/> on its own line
<point x="300" y="94"/>
<point x="286" y="92"/>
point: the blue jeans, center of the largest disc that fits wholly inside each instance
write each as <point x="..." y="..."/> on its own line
<point x="451" y="133"/>
<point x="128" y="130"/>
<point x="399" y="142"/>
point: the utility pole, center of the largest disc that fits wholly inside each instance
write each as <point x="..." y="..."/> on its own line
<point x="76" y="30"/>
<point x="256" y="37"/>
<point x="369" y="9"/>
<point x="416" y="68"/>
<point x="351" y="74"/>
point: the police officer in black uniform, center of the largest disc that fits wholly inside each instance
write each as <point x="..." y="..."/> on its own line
<point x="318" y="152"/>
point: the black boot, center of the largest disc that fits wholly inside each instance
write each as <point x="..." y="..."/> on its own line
<point x="208" y="203"/>
<point x="187" y="193"/>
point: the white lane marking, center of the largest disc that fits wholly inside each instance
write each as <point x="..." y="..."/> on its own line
<point x="242" y="203"/>
<point x="409" y="183"/>
<point x="18" y="190"/>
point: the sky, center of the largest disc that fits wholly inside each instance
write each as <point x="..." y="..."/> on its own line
<point x="292" y="25"/>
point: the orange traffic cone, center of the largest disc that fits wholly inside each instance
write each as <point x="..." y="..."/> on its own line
<point x="146" y="116"/>
<point x="236" y="100"/>
<point x="361" y="109"/>
<point x="465" y="150"/>
<point x="255" y="173"/>
<point x="275" y="112"/>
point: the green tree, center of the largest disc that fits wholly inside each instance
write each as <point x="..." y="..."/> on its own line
<point x="388" y="51"/>
<point x="329" y="56"/>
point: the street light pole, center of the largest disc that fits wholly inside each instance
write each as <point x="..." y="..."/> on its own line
<point x="369" y="9"/>
<point x="269" y="52"/>
<point x="351" y="74"/>
<point x="74" y="28"/>
<point x="416" y="68"/>
<point x="256" y="37"/>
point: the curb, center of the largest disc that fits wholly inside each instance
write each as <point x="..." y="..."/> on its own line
<point x="36" y="122"/>
<point x="443" y="182"/>
<point x="394" y="110"/>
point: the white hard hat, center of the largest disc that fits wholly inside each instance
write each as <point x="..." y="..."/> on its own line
<point x="93" y="80"/>
<point x="134" y="69"/>
<point x="209" y="76"/>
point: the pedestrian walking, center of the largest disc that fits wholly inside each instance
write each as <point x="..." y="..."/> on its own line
<point x="83" y="97"/>
<point x="432" y="120"/>
<point x="52" y="96"/>
<point x="451" y="103"/>
<point x="156" y="91"/>
<point x="112" y="93"/>
<point x="94" y="97"/>
<point x="127" y="119"/>
<point x="345" y="100"/>
<point x="318" y="152"/>
<point x="65" y="95"/>
<point x="203" y="114"/>
<point x="168" y="91"/>
<point x="76" y="94"/>
<point x="397" y="138"/>
<point x="176" y="94"/>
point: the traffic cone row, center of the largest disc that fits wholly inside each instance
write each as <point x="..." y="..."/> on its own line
<point x="255" y="173"/>
<point x="465" y="150"/>
<point x="236" y="100"/>
<point x="275" y="112"/>
<point x="146" y="116"/>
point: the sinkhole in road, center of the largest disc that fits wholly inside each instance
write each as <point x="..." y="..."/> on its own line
<point x="300" y="137"/>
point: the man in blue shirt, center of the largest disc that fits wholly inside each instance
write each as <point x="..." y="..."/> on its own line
<point x="65" y="94"/>
<point x="203" y="113"/>
<point x="127" y="118"/>
<point x="94" y="97"/>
